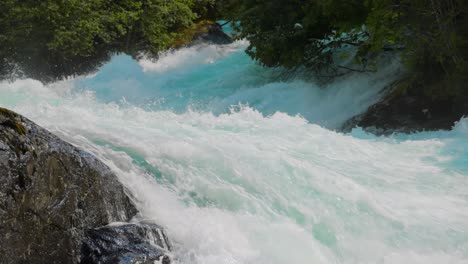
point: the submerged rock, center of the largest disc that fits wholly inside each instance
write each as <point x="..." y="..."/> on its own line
<point x="126" y="244"/>
<point x="51" y="193"/>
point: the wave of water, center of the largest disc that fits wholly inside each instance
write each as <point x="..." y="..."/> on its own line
<point x="240" y="168"/>
<point x="212" y="78"/>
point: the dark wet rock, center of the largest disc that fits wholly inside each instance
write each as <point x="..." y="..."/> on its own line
<point x="126" y="244"/>
<point x="51" y="193"/>
<point x="407" y="113"/>
<point x="211" y="34"/>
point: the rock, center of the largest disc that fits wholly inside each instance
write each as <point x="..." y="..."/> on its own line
<point x="126" y="244"/>
<point x="408" y="113"/>
<point x="211" y="34"/>
<point x="51" y="193"/>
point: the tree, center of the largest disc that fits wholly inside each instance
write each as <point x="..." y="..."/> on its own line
<point x="435" y="36"/>
<point x="50" y="39"/>
<point x="432" y="35"/>
<point x="292" y="33"/>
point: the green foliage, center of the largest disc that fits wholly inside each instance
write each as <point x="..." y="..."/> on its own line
<point x="432" y="35"/>
<point x="55" y="38"/>
<point x="206" y="9"/>
<point x="185" y="36"/>
<point x="290" y="33"/>
<point x="435" y="36"/>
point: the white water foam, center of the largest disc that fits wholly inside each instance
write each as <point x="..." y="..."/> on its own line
<point x="213" y="78"/>
<point x="187" y="57"/>
<point x="268" y="187"/>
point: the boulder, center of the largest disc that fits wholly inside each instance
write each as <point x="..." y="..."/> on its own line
<point x="211" y="33"/>
<point x="406" y="113"/>
<point x="51" y="194"/>
<point x="126" y="244"/>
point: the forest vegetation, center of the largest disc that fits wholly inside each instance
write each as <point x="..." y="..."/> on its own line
<point x="430" y="36"/>
<point x="51" y="39"/>
<point x="54" y="38"/>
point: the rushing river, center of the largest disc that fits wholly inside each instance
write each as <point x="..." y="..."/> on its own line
<point x="242" y="168"/>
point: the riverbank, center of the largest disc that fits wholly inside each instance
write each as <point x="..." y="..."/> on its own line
<point x="409" y="112"/>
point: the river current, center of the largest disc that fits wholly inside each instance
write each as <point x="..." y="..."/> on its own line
<point x="241" y="167"/>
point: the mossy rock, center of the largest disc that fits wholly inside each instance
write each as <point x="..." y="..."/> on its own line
<point x="7" y="113"/>
<point x="187" y="35"/>
<point x="206" y="31"/>
<point x="51" y="193"/>
<point x="12" y="121"/>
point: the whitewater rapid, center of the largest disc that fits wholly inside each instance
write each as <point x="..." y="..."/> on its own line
<point x="242" y="168"/>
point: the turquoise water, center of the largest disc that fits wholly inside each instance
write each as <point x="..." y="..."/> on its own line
<point x="240" y="167"/>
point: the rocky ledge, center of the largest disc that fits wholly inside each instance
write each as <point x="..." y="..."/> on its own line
<point x="211" y="33"/>
<point x="409" y="112"/>
<point x="126" y="243"/>
<point x="57" y="201"/>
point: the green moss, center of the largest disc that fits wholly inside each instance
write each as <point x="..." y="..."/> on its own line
<point x="187" y="35"/>
<point x="7" y="113"/>
<point x="11" y="122"/>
